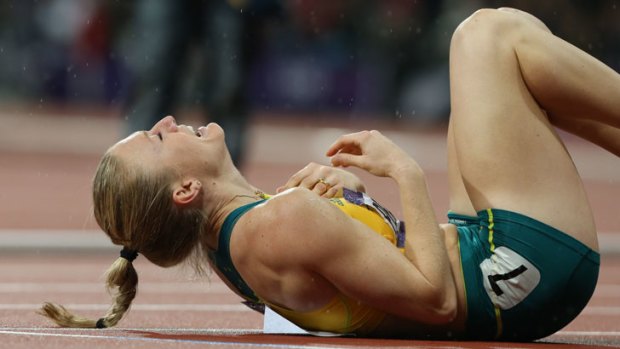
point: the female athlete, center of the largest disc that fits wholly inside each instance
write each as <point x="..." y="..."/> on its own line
<point x="517" y="259"/>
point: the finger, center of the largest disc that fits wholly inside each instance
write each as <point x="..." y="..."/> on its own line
<point x="291" y="183"/>
<point x="309" y="182"/>
<point x="345" y="160"/>
<point x="331" y="192"/>
<point x="349" y="143"/>
<point x="320" y="188"/>
<point x="296" y="179"/>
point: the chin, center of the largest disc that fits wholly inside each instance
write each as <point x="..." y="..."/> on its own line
<point x="213" y="130"/>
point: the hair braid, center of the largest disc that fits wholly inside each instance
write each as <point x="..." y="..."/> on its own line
<point x="122" y="280"/>
<point x="134" y="208"/>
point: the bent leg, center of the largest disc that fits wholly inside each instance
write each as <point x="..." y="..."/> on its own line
<point x="567" y="82"/>
<point x="507" y="151"/>
<point x="603" y="135"/>
<point x="598" y="130"/>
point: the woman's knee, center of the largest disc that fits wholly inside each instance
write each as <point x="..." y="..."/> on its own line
<point x="491" y="27"/>
<point x="533" y="20"/>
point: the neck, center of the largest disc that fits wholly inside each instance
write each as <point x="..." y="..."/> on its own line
<point x="220" y="200"/>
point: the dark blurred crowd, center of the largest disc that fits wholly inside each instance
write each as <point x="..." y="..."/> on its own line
<point x="381" y="58"/>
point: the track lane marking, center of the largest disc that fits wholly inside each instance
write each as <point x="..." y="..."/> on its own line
<point x="141" y="307"/>
<point x="591" y="310"/>
<point x="36" y="332"/>
<point x="212" y="342"/>
<point x="164" y="340"/>
<point x="197" y="287"/>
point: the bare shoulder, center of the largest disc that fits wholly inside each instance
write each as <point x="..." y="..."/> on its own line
<point x="289" y="202"/>
<point x="276" y="248"/>
<point x="284" y="209"/>
<point x="286" y="224"/>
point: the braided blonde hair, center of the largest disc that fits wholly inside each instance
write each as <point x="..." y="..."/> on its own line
<point x="136" y="211"/>
<point x="121" y="276"/>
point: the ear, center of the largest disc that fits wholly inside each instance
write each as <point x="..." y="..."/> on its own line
<point x="186" y="192"/>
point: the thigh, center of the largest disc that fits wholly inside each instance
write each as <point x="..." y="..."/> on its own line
<point x="508" y="153"/>
<point x="604" y="135"/>
<point x="459" y="199"/>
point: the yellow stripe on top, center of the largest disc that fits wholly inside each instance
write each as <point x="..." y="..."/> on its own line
<point x="498" y="315"/>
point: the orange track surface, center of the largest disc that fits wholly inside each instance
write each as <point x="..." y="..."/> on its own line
<point x="50" y="190"/>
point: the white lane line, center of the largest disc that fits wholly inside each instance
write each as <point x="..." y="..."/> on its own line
<point x="592" y="310"/>
<point x="50" y="240"/>
<point x="63" y="240"/>
<point x="93" y="239"/>
<point x="101" y="335"/>
<point x="141" y="307"/>
<point x="588" y="333"/>
<point x="243" y="331"/>
<point x="601" y="311"/>
<point x="168" y="330"/>
<point x="183" y="287"/>
<point x="162" y="340"/>
<point x="607" y="291"/>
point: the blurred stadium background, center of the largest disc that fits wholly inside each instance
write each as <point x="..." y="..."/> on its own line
<point x="376" y="59"/>
<point x="304" y="71"/>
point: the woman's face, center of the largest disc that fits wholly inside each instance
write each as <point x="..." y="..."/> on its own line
<point x="168" y="145"/>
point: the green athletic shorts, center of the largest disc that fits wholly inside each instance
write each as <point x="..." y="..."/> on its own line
<point x="524" y="279"/>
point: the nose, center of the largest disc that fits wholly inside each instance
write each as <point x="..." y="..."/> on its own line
<point x="167" y="124"/>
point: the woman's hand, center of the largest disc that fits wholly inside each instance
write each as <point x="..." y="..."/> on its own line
<point x="373" y="152"/>
<point x="324" y="180"/>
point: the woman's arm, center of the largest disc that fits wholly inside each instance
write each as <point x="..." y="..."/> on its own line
<point x="305" y="241"/>
<point x="425" y="245"/>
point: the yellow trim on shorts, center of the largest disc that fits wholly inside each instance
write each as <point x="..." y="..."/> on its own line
<point x="348" y="310"/>
<point x="458" y="243"/>
<point x="498" y="314"/>
<point x="491" y="226"/>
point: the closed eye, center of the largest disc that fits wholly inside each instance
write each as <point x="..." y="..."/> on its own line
<point x="149" y="135"/>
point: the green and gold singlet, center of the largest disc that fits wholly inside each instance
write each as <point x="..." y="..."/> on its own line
<point x="342" y="314"/>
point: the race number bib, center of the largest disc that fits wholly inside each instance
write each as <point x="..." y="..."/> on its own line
<point x="508" y="277"/>
<point x="362" y="199"/>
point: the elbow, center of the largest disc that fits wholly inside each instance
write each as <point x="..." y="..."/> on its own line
<point x="443" y="309"/>
<point x="447" y="312"/>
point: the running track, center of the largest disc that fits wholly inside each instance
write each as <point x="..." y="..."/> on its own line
<point x="51" y="250"/>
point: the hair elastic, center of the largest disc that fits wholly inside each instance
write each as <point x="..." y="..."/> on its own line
<point x="100" y="323"/>
<point x="129" y="254"/>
